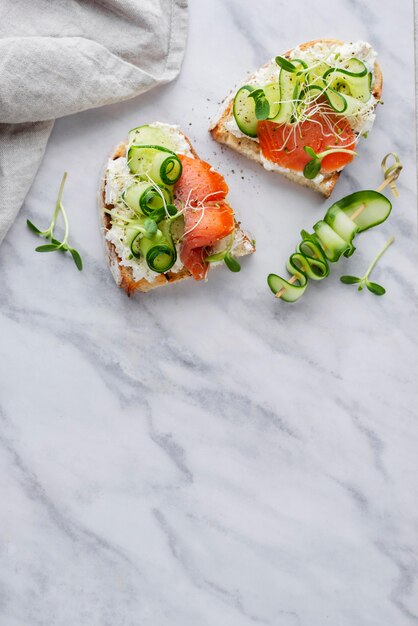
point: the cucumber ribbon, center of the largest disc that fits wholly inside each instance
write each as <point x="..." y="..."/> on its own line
<point x="333" y="236"/>
<point x="145" y="197"/>
<point x="154" y="242"/>
<point x="157" y="162"/>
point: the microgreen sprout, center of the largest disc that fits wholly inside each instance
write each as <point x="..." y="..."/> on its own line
<point x="150" y="226"/>
<point x="262" y="106"/>
<point x="313" y="167"/>
<point x="55" y="244"/>
<point x="378" y="290"/>
<point x="225" y="256"/>
<point x="285" y="64"/>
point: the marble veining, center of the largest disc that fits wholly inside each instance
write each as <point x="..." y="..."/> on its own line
<point x="205" y="455"/>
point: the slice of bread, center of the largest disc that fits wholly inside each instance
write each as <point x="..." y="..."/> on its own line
<point x="122" y="274"/>
<point x="251" y="149"/>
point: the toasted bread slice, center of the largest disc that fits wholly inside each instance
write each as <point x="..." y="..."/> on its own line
<point x="251" y="149"/>
<point x="122" y="274"/>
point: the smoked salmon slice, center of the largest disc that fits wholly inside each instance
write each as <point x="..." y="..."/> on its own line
<point x="200" y="180"/>
<point x="283" y="143"/>
<point x="207" y="217"/>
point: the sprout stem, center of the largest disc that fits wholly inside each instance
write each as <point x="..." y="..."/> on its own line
<point x="381" y="253"/>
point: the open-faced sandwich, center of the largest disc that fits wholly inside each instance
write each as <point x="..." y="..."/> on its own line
<point x="164" y="212"/>
<point x="303" y="113"/>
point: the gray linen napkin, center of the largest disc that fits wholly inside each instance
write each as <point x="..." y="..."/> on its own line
<point x="65" y="56"/>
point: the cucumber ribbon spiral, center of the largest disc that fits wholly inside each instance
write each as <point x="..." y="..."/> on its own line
<point x="161" y="164"/>
<point x="333" y="236"/>
<point x="153" y="242"/>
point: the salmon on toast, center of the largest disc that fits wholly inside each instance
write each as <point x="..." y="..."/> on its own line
<point x="164" y="212"/>
<point x="304" y="113"/>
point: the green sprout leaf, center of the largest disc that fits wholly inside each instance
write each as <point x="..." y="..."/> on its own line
<point x="150" y="226"/>
<point x="350" y="280"/>
<point x="231" y="263"/>
<point x="262" y="106"/>
<point x="256" y="93"/>
<point x="312" y="169"/>
<point x="284" y="64"/>
<point x="378" y="290"/>
<point x="49" y="247"/>
<point x="77" y="258"/>
<point x="310" y="151"/>
<point x="33" y="228"/>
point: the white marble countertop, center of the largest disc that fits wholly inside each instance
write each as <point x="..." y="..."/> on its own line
<point x="205" y="455"/>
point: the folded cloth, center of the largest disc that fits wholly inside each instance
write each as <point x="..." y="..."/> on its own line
<point x="61" y="57"/>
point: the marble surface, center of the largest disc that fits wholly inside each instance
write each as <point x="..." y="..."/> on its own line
<point x="205" y="455"/>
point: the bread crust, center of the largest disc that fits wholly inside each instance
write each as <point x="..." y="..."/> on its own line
<point x="124" y="275"/>
<point x="251" y="148"/>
